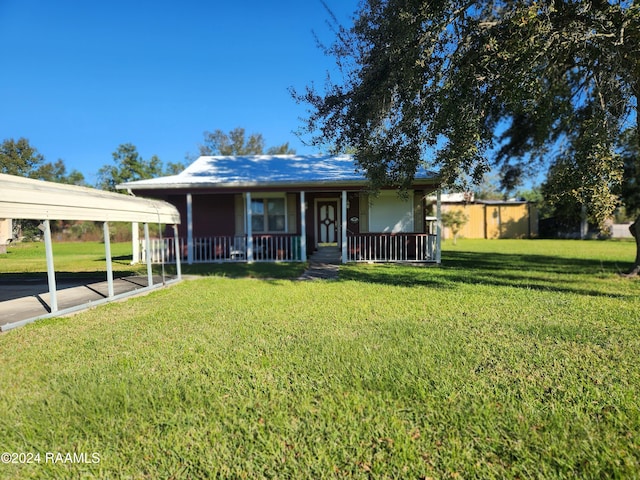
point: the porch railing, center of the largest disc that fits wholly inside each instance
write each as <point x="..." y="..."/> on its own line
<point x="391" y="247"/>
<point x="364" y="247"/>
<point x="266" y="248"/>
<point x="282" y="247"/>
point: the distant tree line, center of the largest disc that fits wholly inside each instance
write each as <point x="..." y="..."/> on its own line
<point x="19" y="157"/>
<point x="236" y="143"/>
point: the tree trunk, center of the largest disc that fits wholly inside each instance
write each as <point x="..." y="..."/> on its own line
<point x="635" y="231"/>
<point x="634" y="228"/>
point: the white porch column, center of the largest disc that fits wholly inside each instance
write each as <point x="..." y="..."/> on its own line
<point x="303" y="229"/>
<point x="147" y="246"/>
<point x="135" y="243"/>
<point x="189" y="228"/>
<point x="51" y="273"/>
<point x="438" y="227"/>
<point x="249" y="229"/>
<point x="176" y="246"/>
<point x="344" y="226"/>
<point x="107" y="256"/>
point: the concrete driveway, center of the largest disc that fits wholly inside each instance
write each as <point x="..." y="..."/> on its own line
<point x="29" y="299"/>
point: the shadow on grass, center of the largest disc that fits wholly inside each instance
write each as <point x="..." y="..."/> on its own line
<point x="232" y="270"/>
<point x="18" y="285"/>
<point x="34" y="277"/>
<point x="531" y="272"/>
<point x="123" y="259"/>
<point x="534" y="263"/>
<point x="262" y="270"/>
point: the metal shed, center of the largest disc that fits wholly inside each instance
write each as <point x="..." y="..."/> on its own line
<point x="25" y="198"/>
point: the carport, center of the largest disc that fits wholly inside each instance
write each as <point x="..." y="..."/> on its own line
<point x="28" y="199"/>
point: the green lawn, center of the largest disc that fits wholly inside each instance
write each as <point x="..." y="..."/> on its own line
<point x="515" y="359"/>
<point x="72" y="259"/>
<point x="29" y="259"/>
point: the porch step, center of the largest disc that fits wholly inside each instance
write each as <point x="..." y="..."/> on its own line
<point x="327" y="255"/>
<point x="323" y="264"/>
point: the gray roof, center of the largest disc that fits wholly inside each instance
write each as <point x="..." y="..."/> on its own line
<point x="264" y="170"/>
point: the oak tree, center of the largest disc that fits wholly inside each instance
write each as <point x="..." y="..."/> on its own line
<point x="129" y="166"/>
<point x="466" y="86"/>
<point x="236" y="143"/>
<point x="19" y="157"/>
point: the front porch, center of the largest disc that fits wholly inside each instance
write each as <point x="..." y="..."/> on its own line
<point x="367" y="247"/>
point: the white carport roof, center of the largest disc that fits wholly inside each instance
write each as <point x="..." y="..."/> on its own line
<point x="29" y="199"/>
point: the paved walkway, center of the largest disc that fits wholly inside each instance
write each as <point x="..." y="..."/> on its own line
<point x="323" y="265"/>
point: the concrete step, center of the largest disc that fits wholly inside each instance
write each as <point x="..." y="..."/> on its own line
<point x="328" y="255"/>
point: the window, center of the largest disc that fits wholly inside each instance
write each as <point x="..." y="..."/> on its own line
<point x="391" y="214"/>
<point x="268" y="215"/>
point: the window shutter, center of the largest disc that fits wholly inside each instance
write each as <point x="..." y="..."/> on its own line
<point x="292" y="213"/>
<point x="239" y="214"/>
<point x="364" y="213"/>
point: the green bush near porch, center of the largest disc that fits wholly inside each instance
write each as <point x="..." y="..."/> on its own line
<point x="515" y="359"/>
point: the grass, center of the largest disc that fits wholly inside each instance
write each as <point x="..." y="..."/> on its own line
<point x="513" y="360"/>
<point x="73" y="259"/>
<point x="29" y="259"/>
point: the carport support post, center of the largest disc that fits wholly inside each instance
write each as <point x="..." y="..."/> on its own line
<point x="135" y="243"/>
<point x="107" y="256"/>
<point x="176" y="246"/>
<point x="51" y="273"/>
<point x="147" y="246"/>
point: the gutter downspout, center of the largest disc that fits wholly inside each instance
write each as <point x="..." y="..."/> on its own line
<point x="107" y="254"/>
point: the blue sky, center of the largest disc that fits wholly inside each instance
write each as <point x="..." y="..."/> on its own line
<point x="79" y="78"/>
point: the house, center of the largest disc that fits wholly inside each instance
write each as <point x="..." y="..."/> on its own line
<point x="283" y="207"/>
<point x="491" y="219"/>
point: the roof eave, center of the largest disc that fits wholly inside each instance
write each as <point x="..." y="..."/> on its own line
<point x="270" y="185"/>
